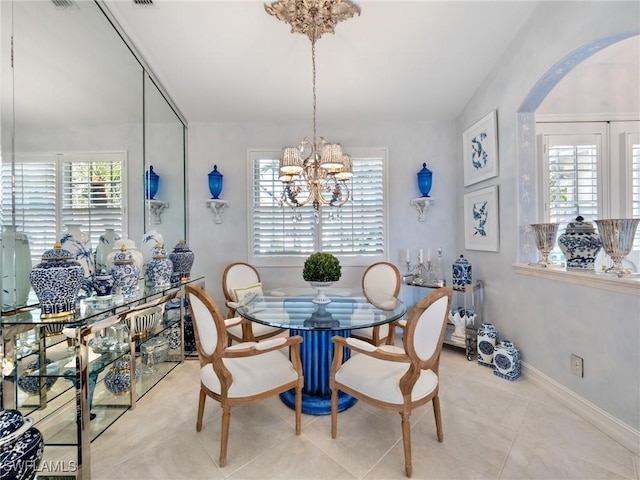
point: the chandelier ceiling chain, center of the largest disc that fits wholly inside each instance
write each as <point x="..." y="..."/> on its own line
<point x="315" y="171"/>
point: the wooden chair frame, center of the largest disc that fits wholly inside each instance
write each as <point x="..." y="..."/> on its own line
<point x="221" y="351"/>
<point x="246" y="325"/>
<point x="408" y="380"/>
<point x="375" y="339"/>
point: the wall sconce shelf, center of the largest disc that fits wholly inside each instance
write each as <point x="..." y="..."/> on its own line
<point x="157" y="207"/>
<point x="217" y="206"/>
<point x="421" y="204"/>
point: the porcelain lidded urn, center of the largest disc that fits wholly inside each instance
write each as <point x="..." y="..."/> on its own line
<point x="182" y="258"/>
<point x="506" y="360"/>
<point x="580" y="244"/>
<point x="461" y="273"/>
<point x="160" y="268"/>
<point x="125" y="273"/>
<point x="57" y="281"/>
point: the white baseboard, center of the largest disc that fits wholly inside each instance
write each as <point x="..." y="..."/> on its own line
<point x="620" y="432"/>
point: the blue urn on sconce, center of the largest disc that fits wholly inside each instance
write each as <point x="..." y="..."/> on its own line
<point x="215" y="183"/>
<point x="425" y="177"/>
<point x="151" y="180"/>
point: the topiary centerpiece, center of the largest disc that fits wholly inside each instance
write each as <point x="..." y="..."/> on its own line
<point x="321" y="269"/>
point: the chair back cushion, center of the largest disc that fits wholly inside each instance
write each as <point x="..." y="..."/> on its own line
<point x="428" y="329"/>
<point x="238" y="275"/>
<point x="205" y="325"/>
<point x="382" y="279"/>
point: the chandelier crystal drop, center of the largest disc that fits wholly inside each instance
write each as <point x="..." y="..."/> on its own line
<point x="315" y="171"/>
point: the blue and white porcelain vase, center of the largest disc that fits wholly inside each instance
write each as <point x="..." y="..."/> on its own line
<point x="15" y="265"/>
<point x="78" y="243"/>
<point x="105" y="245"/>
<point x="21" y="446"/>
<point x="150" y="241"/>
<point x="506" y="359"/>
<point x="125" y="273"/>
<point x="160" y="268"/>
<point x="57" y="281"/>
<point x="487" y="338"/>
<point x="580" y="244"/>
<point x="118" y="378"/>
<point x="29" y="381"/>
<point x="103" y="283"/>
<point x="182" y="258"/>
<point x="461" y="273"/>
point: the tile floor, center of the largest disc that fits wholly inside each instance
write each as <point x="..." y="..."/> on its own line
<point x="493" y="429"/>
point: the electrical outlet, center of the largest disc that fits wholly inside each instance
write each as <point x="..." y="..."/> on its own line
<point x="577" y="366"/>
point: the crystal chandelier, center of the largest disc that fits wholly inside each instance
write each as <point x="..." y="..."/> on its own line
<point x="315" y="171"/>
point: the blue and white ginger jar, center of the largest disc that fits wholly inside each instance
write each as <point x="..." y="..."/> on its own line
<point x="57" y="281"/>
<point x="506" y="360"/>
<point x="487" y="337"/>
<point x="29" y="381"/>
<point x="461" y="273"/>
<point x="103" y="283"/>
<point x="182" y="258"/>
<point x="580" y="244"/>
<point x="125" y="273"/>
<point x="160" y="268"/>
<point x="118" y="378"/>
<point x="21" y="446"/>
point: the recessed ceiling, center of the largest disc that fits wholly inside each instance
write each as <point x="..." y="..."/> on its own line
<point x="229" y="61"/>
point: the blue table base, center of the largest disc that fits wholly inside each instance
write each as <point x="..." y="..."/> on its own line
<point x="316" y="354"/>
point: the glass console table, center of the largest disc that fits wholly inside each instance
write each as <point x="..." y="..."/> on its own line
<point x="293" y="308"/>
<point x="69" y="399"/>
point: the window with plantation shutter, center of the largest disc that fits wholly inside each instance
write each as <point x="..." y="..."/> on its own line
<point x="590" y="169"/>
<point x="356" y="232"/>
<point x="55" y="189"/>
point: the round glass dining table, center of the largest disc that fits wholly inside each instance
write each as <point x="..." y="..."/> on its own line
<point x="348" y="309"/>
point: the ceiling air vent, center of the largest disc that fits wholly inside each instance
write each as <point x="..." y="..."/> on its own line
<point x="63" y="3"/>
<point x="143" y="2"/>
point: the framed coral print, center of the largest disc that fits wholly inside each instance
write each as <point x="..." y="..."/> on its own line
<point x="481" y="220"/>
<point x="480" y="150"/>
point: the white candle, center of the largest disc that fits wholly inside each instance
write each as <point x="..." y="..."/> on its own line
<point x="428" y="254"/>
<point x="420" y="256"/>
<point x="407" y="256"/>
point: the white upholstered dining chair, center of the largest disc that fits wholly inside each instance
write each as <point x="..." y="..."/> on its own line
<point x="243" y="373"/>
<point x="239" y="279"/>
<point x="380" y="282"/>
<point x="394" y="378"/>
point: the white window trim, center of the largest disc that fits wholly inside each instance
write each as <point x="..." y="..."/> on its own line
<point x="346" y="260"/>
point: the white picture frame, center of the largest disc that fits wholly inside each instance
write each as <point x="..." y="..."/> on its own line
<point x="482" y="220"/>
<point x="480" y="150"/>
